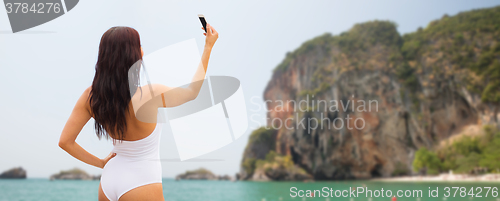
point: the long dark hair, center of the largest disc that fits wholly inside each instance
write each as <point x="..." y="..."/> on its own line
<point x="119" y="50"/>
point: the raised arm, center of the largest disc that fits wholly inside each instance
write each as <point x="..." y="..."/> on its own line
<point x="210" y="39"/>
<point x="178" y="96"/>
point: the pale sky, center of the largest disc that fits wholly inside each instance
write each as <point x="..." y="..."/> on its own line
<point x="45" y="69"/>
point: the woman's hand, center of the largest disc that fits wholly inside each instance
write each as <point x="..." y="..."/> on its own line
<point x="211" y="36"/>
<point x="105" y="160"/>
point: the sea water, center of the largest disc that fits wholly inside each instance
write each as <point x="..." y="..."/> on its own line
<point x="74" y="190"/>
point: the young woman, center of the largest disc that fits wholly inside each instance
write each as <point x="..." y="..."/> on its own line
<point x="132" y="171"/>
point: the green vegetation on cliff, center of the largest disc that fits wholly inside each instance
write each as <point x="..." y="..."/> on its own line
<point x="451" y="35"/>
<point x="476" y="22"/>
<point x="368" y="34"/>
<point x="351" y="42"/>
<point x="464" y="155"/>
<point x="280" y="167"/>
<point x="307" y="47"/>
<point x="260" y="143"/>
<point x="454" y="38"/>
<point x="426" y="160"/>
<point x="273" y="160"/>
<point x="261" y="158"/>
<point x="262" y="136"/>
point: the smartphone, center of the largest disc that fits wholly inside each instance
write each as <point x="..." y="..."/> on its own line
<point x="203" y="21"/>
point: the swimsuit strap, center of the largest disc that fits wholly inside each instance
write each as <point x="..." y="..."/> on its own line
<point x="147" y="79"/>
<point x="163" y="100"/>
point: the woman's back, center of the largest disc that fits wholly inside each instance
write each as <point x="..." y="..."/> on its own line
<point x="135" y="129"/>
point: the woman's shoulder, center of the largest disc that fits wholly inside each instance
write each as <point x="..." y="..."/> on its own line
<point x="88" y="89"/>
<point x="86" y="93"/>
<point x="159" y="88"/>
<point x="150" y="90"/>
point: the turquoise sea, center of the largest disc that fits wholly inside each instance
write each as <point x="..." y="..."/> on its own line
<point x="44" y="189"/>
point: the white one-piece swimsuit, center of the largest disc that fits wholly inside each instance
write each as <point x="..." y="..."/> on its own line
<point x="136" y="163"/>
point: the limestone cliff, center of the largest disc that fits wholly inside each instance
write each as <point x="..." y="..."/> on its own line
<point x="400" y="93"/>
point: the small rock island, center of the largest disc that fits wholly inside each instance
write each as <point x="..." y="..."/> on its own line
<point x="14" y="173"/>
<point x="74" y="174"/>
<point x="201" y="174"/>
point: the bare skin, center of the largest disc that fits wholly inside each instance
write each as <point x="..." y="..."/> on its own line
<point x="136" y="129"/>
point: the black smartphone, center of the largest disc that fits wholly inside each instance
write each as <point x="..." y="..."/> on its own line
<point x="203" y="21"/>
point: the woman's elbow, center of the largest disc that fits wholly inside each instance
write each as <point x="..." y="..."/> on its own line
<point x="63" y="144"/>
<point x="194" y="94"/>
<point x="192" y="97"/>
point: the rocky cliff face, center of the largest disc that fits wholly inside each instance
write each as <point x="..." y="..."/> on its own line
<point x="358" y="105"/>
